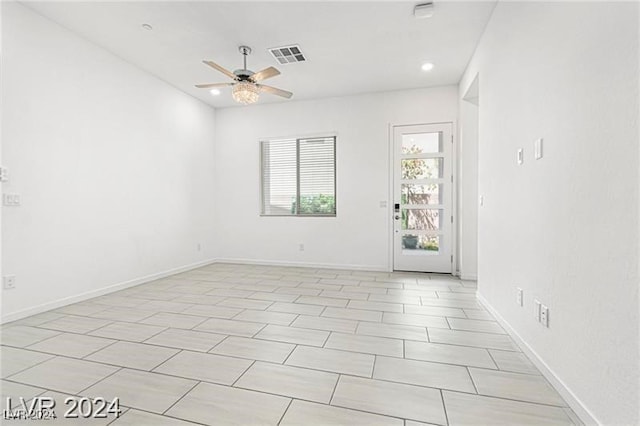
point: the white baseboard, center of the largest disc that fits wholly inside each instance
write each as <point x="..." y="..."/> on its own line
<point x="100" y="292"/>
<point x="469" y="277"/>
<point x="585" y="415"/>
<point x="305" y="264"/>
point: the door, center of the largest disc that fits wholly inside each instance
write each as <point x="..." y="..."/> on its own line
<point x="423" y="197"/>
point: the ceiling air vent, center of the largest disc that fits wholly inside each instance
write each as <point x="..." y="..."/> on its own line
<point x="287" y="54"/>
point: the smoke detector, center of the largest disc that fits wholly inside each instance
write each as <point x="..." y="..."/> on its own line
<point x="423" y="10"/>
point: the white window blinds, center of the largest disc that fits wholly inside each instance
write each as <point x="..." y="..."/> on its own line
<point x="299" y="177"/>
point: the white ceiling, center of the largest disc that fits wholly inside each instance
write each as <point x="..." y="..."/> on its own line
<point x="351" y="47"/>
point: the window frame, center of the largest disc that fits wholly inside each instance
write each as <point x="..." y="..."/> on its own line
<point x="297" y="197"/>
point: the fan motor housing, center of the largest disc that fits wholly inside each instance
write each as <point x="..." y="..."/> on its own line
<point x="243" y="75"/>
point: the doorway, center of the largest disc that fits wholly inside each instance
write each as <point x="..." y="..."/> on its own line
<point x="423" y="198"/>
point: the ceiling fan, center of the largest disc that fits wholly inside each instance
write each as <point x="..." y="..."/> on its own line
<point x="246" y="84"/>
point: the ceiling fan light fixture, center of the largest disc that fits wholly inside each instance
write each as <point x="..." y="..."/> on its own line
<point x="245" y="92"/>
<point x="215" y="92"/>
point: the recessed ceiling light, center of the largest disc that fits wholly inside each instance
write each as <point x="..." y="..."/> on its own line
<point x="147" y="27"/>
<point x="427" y="66"/>
<point x="214" y="92"/>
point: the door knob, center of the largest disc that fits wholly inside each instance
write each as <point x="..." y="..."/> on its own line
<point x="396" y="217"/>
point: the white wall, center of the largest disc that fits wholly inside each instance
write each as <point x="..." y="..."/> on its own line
<point x="115" y="168"/>
<point x="359" y="236"/>
<point x="468" y="189"/>
<point x="564" y="228"/>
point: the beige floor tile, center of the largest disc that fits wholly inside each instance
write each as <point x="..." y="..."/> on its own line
<point x="14" y="360"/>
<point x="310" y="413"/>
<point x="355" y="364"/>
<point x="375" y="306"/>
<point x="478" y="314"/>
<point x="298" y="336"/>
<point x="142" y="418"/>
<point x="64" y="374"/>
<point x="82" y="308"/>
<point x="133" y="355"/>
<point x="449" y="354"/>
<point x="345" y="295"/>
<point x="322" y="301"/>
<point x="164" y="306"/>
<point x="369" y="291"/>
<point x="273" y="297"/>
<point x="298" y="291"/>
<point x="476" y="325"/>
<point x="140" y="389"/>
<point x="470" y="338"/>
<point x="154" y="294"/>
<point x="415" y="319"/>
<point x="15" y="391"/>
<point x="213" y="311"/>
<point x="233" y="302"/>
<point x="423" y="373"/>
<point x="221" y="405"/>
<point x="205" y="367"/>
<point x="365" y="344"/>
<point x="123" y="314"/>
<point x="325" y="323"/>
<point x="415" y="292"/>
<point x="36" y="320"/>
<point x="128" y="331"/>
<point x="166" y="319"/>
<point x="186" y="339"/>
<point x="230" y="292"/>
<point x="288" y="381"/>
<point x="22" y="335"/>
<point x="516" y="362"/>
<point x="395" y="331"/>
<point x="465" y="409"/>
<point x="199" y="299"/>
<point x="256" y="349"/>
<point x="267" y="317"/>
<point x="435" y="311"/>
<point x="352" y="314"/>
<point x="450" y="303"/>
<point x="296" y="308"/>
<point x="522" y="387"/>
<point x="395" y="298"/>
<point x="392" y="399"/>
<point x="72" y="345"/>
<point x="236" y="328"/>
<point x="75" y="324"/>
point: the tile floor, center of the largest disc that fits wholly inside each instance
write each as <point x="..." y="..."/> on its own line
<point x="248" y="345"/>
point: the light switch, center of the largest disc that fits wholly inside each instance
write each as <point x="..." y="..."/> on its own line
<point x="520" y="156"/>
<point x="383" y="204"/>
<point x="481" y="200"/>
<point x="537" y="149"/>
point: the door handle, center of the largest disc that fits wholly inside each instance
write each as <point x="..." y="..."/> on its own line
<point x="396" y="217"/>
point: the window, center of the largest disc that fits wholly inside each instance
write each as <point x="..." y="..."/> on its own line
<point x="298" y="177"/>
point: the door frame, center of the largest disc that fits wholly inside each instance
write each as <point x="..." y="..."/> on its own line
<point x="454" y="191"/>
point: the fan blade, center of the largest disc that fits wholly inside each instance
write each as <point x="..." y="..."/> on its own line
<point x="221" y="69"/>
<point x="274" y="91"/>
<point x="264" y="74"/>
<point x="209" y="86"/>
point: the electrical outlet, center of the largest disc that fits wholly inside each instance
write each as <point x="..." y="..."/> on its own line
<point x="536" y="309"/>
<point x="4" y="174"/>
<point x="9" y="282"/>
<point x="519" y="296"/>
<point x="544" y="315"/>
<point x="301" y="247"/>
